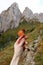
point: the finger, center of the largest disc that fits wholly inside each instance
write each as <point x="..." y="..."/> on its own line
<point x="25" y="45"/>
<point x="26" y="36"/>
<point x="18" y="39"/>
<point x="22" y="42"/>
<point x="26" y="42"/>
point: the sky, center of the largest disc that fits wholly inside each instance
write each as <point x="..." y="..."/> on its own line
<point x="35" y="5"/>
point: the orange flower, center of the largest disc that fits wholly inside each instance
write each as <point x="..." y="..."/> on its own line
<point x="21" y="33"/>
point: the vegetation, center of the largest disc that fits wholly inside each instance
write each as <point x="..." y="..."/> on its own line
<point x="8" y="38"/>
<point x="39" y="55"/>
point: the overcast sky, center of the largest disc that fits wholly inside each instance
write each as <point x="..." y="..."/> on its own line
<point x="35" y="5"/>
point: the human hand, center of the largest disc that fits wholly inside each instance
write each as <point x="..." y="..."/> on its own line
<point x="18" y="49"/>
<point x="19" y="46"/>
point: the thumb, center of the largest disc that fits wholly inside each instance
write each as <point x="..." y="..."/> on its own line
<point x="22" y="42"/>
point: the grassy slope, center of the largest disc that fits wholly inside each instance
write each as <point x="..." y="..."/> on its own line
<point x="8" y="38"/>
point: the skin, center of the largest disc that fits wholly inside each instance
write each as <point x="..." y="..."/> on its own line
<point x="18" y="50"/>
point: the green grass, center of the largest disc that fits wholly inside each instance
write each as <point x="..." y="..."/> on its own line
<point x="39" y="59"/>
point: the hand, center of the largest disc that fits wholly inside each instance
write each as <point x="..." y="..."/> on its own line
<point x="19" y="45"/>
<point x="18" y="50"/>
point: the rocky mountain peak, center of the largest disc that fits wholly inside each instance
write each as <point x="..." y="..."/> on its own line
<point x="27" y="13"/>
<point x="27" y="10"/>
<point x="14" y="5"/>
<point x="10" y="18"/>
<point x="38" y="16"/>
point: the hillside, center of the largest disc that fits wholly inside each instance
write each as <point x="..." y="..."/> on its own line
<point x="34" y="29"/>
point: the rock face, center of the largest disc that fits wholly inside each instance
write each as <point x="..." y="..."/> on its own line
<point x="28" y="14"/>
<point x="11" y="17"/>
<point x="39" y="16"/>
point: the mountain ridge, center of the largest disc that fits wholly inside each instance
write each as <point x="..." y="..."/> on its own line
<point x="11" y="17"/>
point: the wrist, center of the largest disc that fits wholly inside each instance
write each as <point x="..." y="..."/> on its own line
<point x="15" y="60"/>
<point x="16" y="56"/>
